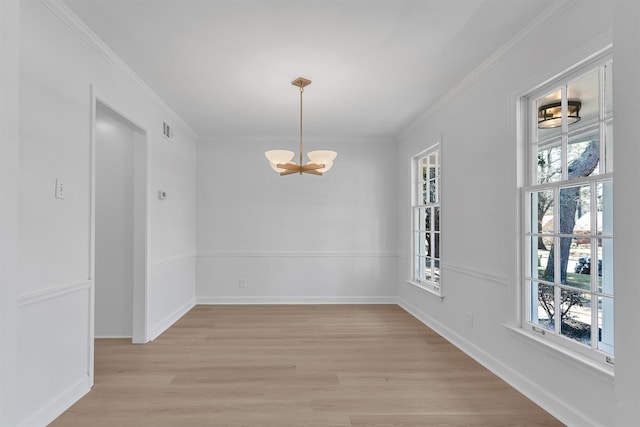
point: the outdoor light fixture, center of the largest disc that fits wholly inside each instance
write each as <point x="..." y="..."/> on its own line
<point x="320" y="161"/>
<point x="550" y="115"/>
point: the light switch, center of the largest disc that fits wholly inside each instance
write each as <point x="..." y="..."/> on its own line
<point x="59" y="189"/>
<point x="162" y="195"/>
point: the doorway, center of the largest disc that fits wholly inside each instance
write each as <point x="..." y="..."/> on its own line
<point x="119" y="224"/>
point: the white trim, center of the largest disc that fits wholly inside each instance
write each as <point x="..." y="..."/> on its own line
<point x="297" y="300"/>
<point x="589" y="364"/>
<point x="55" y="407"/>
<point x="589" y="54"/>
<point x="81" y="29"/>
<point x="141" y="219"/>
<point x="172" y="259"/>
<point x="169" y="320"/>
<point x="528" y="147"/>
<point x="93" y="107"/>
<point x="289" y="254"/>
<point x="536" y="25"/>
<point x="50" y="293"/>
<point x="502" y="281"/>
<point x="427" y="290"/>
<point x="552" y="403"/>
<point x="107" y="337"/>
<point x="417" y="204"/>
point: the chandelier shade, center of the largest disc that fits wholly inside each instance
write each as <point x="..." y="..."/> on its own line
<point x="279" y="156"/>
<point x="281" y="160"/>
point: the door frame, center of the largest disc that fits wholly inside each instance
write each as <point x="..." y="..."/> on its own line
<point x="139" y="331"/>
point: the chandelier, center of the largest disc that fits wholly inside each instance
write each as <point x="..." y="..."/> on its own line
<point x="319" y="162"/>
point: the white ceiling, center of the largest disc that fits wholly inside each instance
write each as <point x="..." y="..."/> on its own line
<point x="226" y="66"/>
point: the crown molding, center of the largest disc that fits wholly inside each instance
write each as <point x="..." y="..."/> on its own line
<point x="85" y="33"/>
<point x="535" y="26"/>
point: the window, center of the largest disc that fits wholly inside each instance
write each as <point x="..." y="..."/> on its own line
<point x="426" y="220"/>
<point x="568" y="206"/>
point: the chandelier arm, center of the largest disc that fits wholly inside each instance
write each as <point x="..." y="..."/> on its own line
<point x="313" y="172"/>
<point x="288" y="166"/>
<point x="311" y="166"/>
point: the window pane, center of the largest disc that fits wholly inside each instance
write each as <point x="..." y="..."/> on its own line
<point x="549" y="164"/>
<point x="585" y="91"/>
<point x="608" y="90"/>
<point x="425" y="219"/>
<point x="605" y="266"/>
<point x="540" y="246"/>
<point x="420" y="243"/>
<point x="436" y="271"/>
<point x="549" y="116"/>
<point x="427" y="269"/>
<point x="583" y="155"/>
<point x="432" y="191"/>
<point x="433" y="166"/>
<point x="575" y="204"/>
<point x="424" y="194"/>
<point x="608" y="147"/>
<point x="542" y="212"/>
<point x="423" y="168"/>
<point x="427" y="244"/>
<point x="605" y="324"/>
<point x="436" y="218"/>
<point x="604" y="192"/>
<point x="419" y="270"/>
<point x="576" y="316"/>
<point x="436" y="245"/>
<point x="576" y="270"/>
<point x="543" y="307"/>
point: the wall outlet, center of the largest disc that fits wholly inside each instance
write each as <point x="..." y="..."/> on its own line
<point x="469" y="320"/>
<point x="242" y="283"/>
<point x="59" y="189"/>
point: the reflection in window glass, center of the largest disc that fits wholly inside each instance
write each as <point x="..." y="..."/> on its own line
<point x="585" y="90"/>
<point x="551" y="117"/>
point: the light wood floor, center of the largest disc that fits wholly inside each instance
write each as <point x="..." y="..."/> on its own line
<point x="296" y="366"/>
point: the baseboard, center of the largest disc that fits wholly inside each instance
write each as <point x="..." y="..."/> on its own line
<point x="170" y="319"/>
<point x="57" y="406"/>
<point x="297" y="300"/>
<point x="550" y="402"/>
<point x="107" y="337"/>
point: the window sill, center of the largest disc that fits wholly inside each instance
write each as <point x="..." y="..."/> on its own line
<point x="585" y="362"/>
<point x="431" y="292"/>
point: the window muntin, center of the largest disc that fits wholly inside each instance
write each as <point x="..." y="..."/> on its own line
<point x="568" y="271"/>
<point x="426" y="220"/>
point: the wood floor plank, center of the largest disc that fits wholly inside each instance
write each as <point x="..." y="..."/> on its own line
<point x="297" y="366"/>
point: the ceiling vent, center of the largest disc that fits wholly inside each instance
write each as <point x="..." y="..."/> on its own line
<point x="167" y="131"/>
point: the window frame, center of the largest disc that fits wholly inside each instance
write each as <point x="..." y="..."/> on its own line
<point x="528" y="122"/>
<point x="417" y="194"/>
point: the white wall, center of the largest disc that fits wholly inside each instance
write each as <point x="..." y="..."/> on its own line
<point x="480" y="217"/>
<point x="296" y="238"/>
<point x="59" y="62"/>
<point x="114" y="225"/>
<point x="626" y="91"/>
<point x="9" y="133"/>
